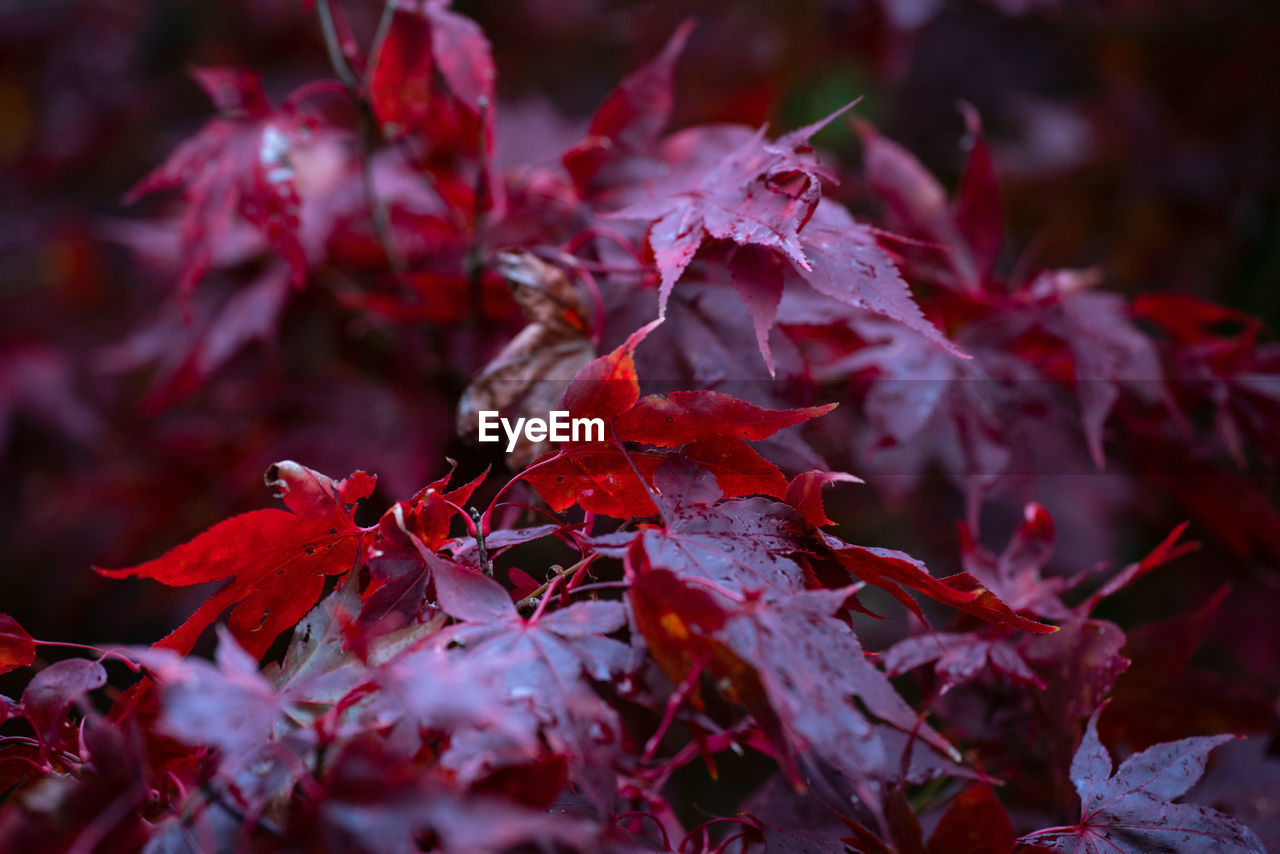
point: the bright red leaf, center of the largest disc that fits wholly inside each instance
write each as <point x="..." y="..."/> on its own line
<point x="274" y="561"/>
<point x="17" y="649"/>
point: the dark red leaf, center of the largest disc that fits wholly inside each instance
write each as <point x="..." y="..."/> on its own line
<point x="423" y="40"/>
<point x="607" y="386"/>
<point x="636" y="112"/>
<point x="54" y="690"/>
<point x="979" y="214"/>
<point x="737" y="467"/>
<point x="598" y="478"/>
<point x="974" y="823"/>
<point x="759" y="276"/>
<point x="884" y="568"/>
<point x="688" y="416"/>
<point x="916" y="202"/>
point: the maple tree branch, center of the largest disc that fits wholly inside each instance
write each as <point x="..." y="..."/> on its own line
<point x="478" y="531"/>
<point x="531" y="601"/>
<point x="687" y="686"/>
<point x="370" y="132"/>
<point x="633" y="814"/>
<point x="484" y="520"/>
<point x="333" y="46"/>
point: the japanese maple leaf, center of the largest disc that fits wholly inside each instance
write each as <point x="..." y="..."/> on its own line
<point x="227" y="704"/>
<point x="969" y="232"/>
<point x="397" y="586"/>
<point x="1216" y="358"/>
<point x="739" y="544"/>
<point x="239" y="163"/>
<point x="1108" y="351"/>
<point x="766" y="198"/>
<point x="1132" y="809"/>
<point x="894" y="572"/>
<point x="626" y="127"/>
<point x="750" y="645"/>
<point x="959" y="657"/>
<point x="978" y="419"/>
<point x="815" y="703"/>
<point x="1015" y="575"/>
<point x="274" y="562"/>
<point x="710" y="428"/>
<point x="430" y="85"/>
<point x="760" y="193"/>
<point x="17" y="649"/>
<point x="542" y="664"/>
<point x="847" y="265"/>
<point x="424" y="38"/>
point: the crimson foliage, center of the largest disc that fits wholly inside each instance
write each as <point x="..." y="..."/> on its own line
<point x="657" y="640"/>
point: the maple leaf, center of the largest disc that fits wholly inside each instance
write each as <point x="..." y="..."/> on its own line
<point x="740" y="544"/>
<point x="959" y="657"/>
<point x="540" y="662"/>
<point x="1132" y="809"/>
<point x="710" y="427"/>
<point x="974" y="823"/>
<point x="847" y="265"/>
<point x="1244" y="781"/>
<point x="431" y="85"/>
<point x="1109" y="353"/>
<point x="751" y="646"/>
<point x="229" y="705"/>
<point x="1216" y="360"/>
<point x="274" y="561"/>
<point x="968" y="233"/>
<point x="682" y="417"/>
<point x="816" y="704"/>
<point x="804" y="493"/>
<point x="17" y="649"/>
<point x="52" y="692"/>
<point x="627" y="125"/>
<point x="893" y="570"/>
<point x="760" y="192"/>
<point x="240" y="163"/>
<point x="423" y="38"/>
<point x="766" y="198"/>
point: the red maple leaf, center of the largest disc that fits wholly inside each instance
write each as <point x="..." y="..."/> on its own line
<point x="710" y="428"/>
<point x="274" y="561"/>
<point x="17" y="649"/>
<point x="237" y="163"/>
